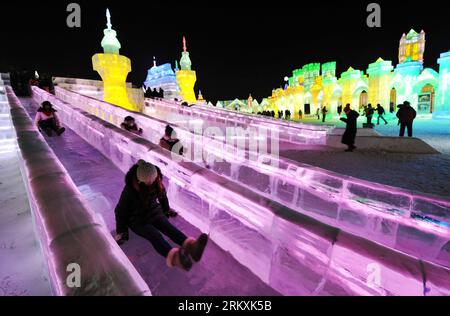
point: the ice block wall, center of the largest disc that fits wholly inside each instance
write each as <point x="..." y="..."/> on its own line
<point x="414" y="223"/>
<point x="70" y="234"/>
<point x="292" y="252"/>
<point x="297" y="133"/>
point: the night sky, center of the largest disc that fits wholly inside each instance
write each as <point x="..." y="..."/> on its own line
<point x="236" y="47"/>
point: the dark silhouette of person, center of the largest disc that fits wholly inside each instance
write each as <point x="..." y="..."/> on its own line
<point x="369" y="111"/>
<point x="381" y="111"/>
<point x="406" y="116"/>
<point x="351" y="128"/>
<point x="324" y="113"/>
<point x="130" y="125"/>
<point x="339" y="109"/>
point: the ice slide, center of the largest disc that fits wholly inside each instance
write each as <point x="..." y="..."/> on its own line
<point x="70" y="235"/>
<point x="410" y="222"/>
<point x="290" y="252"/>
<point x="100" y="183"/>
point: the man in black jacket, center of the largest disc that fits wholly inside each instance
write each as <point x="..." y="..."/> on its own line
<point x="406" y="116"/>
<point x="351" y="129"/>
<point x="139" y="210"/>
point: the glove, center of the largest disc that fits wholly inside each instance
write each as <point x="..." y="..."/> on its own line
<point x="171" y="213"/>
<point x="121" y="238"/>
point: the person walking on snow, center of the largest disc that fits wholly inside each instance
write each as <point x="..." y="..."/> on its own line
<point x="324" y="113"/>
<point x="139" y="210"/>
<point x="406" y="116"/>
<point x="46" y="120"/>
<point x="351" y="129"/>
<point x="381" y="111"/>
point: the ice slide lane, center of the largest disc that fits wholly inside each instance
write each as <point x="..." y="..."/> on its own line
<point x="291" y="252"/>
<point x="406" y="221"/>
<point x="101" y="182"/>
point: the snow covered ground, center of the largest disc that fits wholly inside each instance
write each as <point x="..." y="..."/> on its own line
<point x="422" y="173"/>
<point x="22" y="264"/>
<point x="435" y="132"/>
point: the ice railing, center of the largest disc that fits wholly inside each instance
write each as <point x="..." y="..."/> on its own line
<point x="411" y="222"/>
<point x="72" y="237"/>
<point x="293" y="253"/>
<point x="286" y="131"/>
<point x="7" y="135"/>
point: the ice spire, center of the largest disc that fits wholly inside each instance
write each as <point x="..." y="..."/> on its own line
<point x="108" y="19"/>
<point x="185" y="62"/>
<point x="110" y="43"/>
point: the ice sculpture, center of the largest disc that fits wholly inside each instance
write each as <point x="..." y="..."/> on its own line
<point x="443" y="99"/>
<point x="412" y="47"/>
<point x="410" y="81"/>
<point x="162" y="77"/>
<point x="114" y="69"/>
<point x="380" y="75"/>
<point x="186" y="77"/>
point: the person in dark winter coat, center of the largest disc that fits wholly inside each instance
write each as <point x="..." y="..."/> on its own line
<point x="351" y="129"/>
<point x="170" y="141"/>
<point x="339" y="109"/>
<point x="139" y="210"/>
<point x="406" y="116"/>
<point x="381" y="111"/>
<point x="161" y="93"/>
<point x="130" y="125"/>
<point x="324" y="113"/>
<point x="368" y="112"/>
<point x="46" y="120"/>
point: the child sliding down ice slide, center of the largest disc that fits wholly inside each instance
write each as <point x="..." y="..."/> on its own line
<point x="139" y="210"/>
<point x="46" y="120"/>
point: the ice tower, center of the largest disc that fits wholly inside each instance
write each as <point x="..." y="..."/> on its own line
<point x="412" y="47"/>
<point x="443" y="98"/>
<point x="114" y="69"/>
<point x="186" y="77"/>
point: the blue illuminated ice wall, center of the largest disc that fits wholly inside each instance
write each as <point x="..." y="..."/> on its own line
<point x="162" y="77"/>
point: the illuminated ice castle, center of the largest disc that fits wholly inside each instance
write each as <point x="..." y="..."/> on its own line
<point x="178" y="84"/>
<point x="162" y="77"/>
<point x="316" y="85"/>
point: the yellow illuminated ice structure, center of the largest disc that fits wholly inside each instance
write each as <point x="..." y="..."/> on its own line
<point x="412" y="47"/>
<point x="114" y="69"/>
<point x="186" y="77"/>
<point x="380" y="76"/>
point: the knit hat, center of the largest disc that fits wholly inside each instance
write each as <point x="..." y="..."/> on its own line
<point x="146" y="172"/>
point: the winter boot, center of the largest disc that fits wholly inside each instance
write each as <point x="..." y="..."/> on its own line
<point x="60" y="131"/>
<point x="195" y="247"/>
<point x="178" y="257"/>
